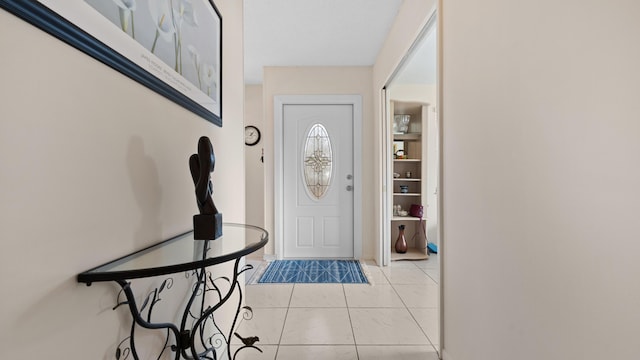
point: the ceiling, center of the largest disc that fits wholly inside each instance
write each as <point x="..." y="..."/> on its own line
<point x="314" y="33"/>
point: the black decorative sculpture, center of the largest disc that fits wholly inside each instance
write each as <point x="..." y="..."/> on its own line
<point x="208" y="224"/>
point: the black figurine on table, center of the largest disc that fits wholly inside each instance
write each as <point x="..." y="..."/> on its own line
<point x="208" y="224"/>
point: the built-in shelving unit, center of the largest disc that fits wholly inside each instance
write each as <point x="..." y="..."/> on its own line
<point x="409" y="171"/>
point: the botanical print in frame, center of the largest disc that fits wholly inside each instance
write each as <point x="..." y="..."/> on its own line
<point x="173" y="47"/>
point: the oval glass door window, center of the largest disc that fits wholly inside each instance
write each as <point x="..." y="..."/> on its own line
<point x="318" y="161"/>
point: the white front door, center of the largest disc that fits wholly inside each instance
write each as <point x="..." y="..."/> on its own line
<point x="318" y="180"/>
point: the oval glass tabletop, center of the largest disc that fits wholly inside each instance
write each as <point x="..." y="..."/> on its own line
<point x="181" y="253"/>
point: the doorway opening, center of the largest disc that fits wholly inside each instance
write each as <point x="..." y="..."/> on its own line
<point x="303" y="227"/>
<point x="411" y="162"/>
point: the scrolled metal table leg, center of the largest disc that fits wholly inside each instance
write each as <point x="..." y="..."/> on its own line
<point x="208" y="313"/>
<point x="186" y="336"/>
<point x="138" y="319"/>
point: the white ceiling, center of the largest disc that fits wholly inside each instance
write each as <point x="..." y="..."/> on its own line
<point x="314" y="33"/>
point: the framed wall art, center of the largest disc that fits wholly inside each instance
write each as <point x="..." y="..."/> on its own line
<point x="174" y="47"/>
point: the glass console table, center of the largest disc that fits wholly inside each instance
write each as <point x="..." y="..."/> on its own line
<point x="194" y="336"/>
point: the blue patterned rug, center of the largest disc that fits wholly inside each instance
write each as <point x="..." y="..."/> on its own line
<point x="314" y="272"/>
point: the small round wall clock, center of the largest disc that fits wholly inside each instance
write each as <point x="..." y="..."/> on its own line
<point x="251" y="135"/>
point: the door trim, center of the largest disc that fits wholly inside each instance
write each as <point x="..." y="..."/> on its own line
<point x="278" y="169"/>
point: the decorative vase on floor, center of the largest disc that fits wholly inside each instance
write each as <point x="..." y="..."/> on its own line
<point x="401" y="243"/>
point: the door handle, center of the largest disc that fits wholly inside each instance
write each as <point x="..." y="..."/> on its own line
<point x="349" y="187"/>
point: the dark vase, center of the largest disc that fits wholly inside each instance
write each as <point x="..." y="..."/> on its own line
<point x="401" y="243"/>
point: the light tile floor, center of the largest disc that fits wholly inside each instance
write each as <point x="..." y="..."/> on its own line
<point x="395" y="318"/>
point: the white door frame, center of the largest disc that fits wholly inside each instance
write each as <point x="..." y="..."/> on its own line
<point x="278" y="130"/>
<point x="384" y="213"/>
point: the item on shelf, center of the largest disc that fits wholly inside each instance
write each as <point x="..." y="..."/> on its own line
<point x="403" y="213"/>
<point x="396" y="175"/>
<point x="401" y="123"/>
<point x="401" y="242"/>
<point x="408" y="174"/>
<point x="404" y="189"/>
<point x="398" y="148"/>
<point x="416" y="210"/>
<point x="396" y="209"/>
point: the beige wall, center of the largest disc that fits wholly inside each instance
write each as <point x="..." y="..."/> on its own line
<point x="94" y="166"/>
<point x="254" y="168"/>
<point x="414" y="92"/>
<point x="541" y="173"/>
<point x="322" y="80"/>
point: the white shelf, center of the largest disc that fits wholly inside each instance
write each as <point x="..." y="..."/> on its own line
<point x="407" y="160"/>
<point x="405" y="218"/>
<point x="406" y="194"/>
<point x="407" y="136"/>
<point x="411" y="254"/>
<point x="406" y="179"/>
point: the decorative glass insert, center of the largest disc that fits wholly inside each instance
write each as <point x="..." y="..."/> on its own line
<point x="318" y="161"/>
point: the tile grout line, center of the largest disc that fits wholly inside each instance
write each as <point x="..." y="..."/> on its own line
<point x="421" y="329"/>
<point x="355" y="344"/>
<point x="284" y="323"/>
<point x="407" y="308"/>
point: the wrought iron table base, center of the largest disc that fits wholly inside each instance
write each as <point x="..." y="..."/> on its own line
<point x="191" y="342"/>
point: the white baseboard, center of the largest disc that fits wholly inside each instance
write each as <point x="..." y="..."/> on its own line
<point x="269" y="257"/>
